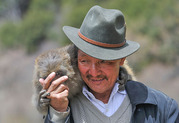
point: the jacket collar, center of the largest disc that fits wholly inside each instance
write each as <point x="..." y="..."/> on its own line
<point x="139" y="93"/>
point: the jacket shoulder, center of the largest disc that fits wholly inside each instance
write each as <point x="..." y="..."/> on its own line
<point x="143" y="95"/>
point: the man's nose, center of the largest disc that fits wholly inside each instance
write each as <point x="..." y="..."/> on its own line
<point x="94" y="70"/>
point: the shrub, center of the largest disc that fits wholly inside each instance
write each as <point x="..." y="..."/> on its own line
<point x="8" y="35"/>
<point x="34" y="28"/>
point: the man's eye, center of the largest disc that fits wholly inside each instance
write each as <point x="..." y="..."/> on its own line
<point x="103" y="61"/>
<point x="84" y="61"/>
<point x="106" y="62"/>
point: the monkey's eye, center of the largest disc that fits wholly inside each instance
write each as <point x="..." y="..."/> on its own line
<point x="60" y="73"/>
<point x="44" y="77"/>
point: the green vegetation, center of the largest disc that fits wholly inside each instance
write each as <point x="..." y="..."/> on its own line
<point x="34" y="28"/>
<point x="31" y="30"/>
<point x="156" y="20"/>
<point x="8" y="34"/>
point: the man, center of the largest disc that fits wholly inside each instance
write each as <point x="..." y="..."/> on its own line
<point x="102" y="49"/>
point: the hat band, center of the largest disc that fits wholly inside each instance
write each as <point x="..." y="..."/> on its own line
<point x="99" y="43"/>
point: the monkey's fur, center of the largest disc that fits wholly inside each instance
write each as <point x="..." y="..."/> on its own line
<point x="63" y="61"/>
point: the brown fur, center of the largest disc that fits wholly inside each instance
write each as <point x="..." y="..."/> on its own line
<point x="62" y="61"/>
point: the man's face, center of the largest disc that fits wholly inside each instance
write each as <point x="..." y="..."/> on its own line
<point x="99" y="75"/>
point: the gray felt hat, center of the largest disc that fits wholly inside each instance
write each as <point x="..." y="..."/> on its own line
<point x="102" y="35"/>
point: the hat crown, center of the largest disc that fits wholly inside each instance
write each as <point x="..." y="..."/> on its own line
<point x="104" y="25"/>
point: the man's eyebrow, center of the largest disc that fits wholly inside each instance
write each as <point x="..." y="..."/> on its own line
<point x="82" y="54"/>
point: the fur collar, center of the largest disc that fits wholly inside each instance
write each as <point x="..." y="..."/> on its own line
<point x="124" y="76"/>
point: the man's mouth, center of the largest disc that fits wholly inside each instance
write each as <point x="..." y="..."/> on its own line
<point x="96" y="79"/>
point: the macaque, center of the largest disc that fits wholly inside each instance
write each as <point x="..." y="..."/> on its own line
<point x="62" y="61"/>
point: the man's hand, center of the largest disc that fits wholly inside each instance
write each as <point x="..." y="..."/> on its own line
<point x="56" y="92"/>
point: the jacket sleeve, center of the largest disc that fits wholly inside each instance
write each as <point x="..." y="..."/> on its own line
<point x="172" y="112"/>
<point x="54" y="116"/>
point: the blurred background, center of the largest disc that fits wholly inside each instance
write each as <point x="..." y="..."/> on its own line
<point x="30" y="27"/>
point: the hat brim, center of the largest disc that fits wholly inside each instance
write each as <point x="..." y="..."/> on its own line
<point x="100" y="52"/>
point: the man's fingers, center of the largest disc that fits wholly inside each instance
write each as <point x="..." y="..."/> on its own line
<point x="65" y="93"/>
<point x="58" y="90"/>
<point x="48" y="80"/>
<point x="61" y="88"/>
<point x="60" y="95"/>
<point x="41" y="81"/>
<point x="56" y="83"/>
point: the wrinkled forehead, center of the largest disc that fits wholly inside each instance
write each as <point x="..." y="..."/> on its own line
<point x="82" y="54"/>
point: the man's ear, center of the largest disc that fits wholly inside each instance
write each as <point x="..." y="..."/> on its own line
<point x="122" y="61"/>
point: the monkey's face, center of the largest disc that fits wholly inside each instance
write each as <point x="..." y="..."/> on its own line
<point x="53" y="64"/>
<point x="58" y="74"/>
<point x="60" y="62"/>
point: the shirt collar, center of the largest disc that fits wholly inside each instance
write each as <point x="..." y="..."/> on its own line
<point x="115" y="90"/>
